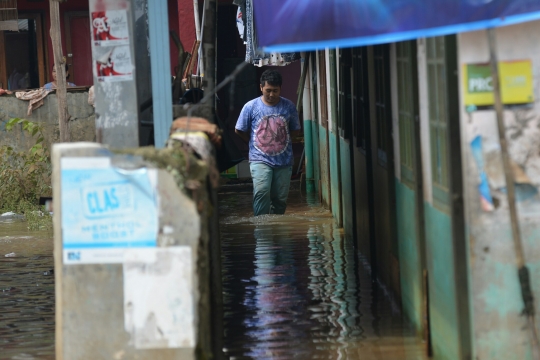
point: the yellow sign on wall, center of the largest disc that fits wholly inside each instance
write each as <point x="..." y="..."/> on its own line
<point x="516" y="83"/>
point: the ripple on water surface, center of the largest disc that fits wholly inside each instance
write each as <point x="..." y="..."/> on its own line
<point x="294" y="287"/>
<point x="26" y="294"/>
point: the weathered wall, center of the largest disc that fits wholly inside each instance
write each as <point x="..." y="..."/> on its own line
<point x="499" y="329"/>
<point x="82" y="125"/>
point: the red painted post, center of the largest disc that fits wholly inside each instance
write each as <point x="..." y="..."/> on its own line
<point x="186" y="23"/>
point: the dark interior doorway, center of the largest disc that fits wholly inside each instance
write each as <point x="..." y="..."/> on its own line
<point x="21" y="56"/>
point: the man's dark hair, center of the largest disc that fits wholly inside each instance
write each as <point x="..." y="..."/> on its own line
<point x="272" y="77"/>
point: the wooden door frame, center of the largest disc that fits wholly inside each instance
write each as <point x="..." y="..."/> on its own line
<point x="68" y="15"/>
<point x="3" y="67"/>
<point x="346" y="127"/>
<point x="43" y="63"/>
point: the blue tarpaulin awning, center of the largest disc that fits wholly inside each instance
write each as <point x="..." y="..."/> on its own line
<point x="298" y="25"/>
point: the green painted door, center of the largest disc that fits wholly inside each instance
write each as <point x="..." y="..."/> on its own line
<point x="387" y="255"/>
<point x="345" y="115"/>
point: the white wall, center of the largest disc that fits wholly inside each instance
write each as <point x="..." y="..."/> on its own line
<point x="499" y="329"/>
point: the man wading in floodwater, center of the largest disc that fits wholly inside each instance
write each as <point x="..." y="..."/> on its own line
<point x="267" y="123"/>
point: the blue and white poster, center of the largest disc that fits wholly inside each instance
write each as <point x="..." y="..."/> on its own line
<point x="105" y="210"/>
<point x="303" y="25"/>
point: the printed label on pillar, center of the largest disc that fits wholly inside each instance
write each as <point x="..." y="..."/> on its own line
<point x="105" y="210"/>
<point x="108" y="200"/>
<point x="110" y="28"/>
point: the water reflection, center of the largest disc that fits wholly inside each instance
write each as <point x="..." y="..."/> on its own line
<point x="294" y="287"/>
<point x="26" y="294"/>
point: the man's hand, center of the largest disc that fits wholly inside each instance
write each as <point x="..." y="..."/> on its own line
<point x="243" y="135"/>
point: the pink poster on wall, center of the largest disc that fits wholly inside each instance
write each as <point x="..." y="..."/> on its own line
<point x="115" y="65"/>
<point x="110" y="28"/>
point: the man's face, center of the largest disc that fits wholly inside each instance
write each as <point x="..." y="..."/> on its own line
<point x="271" y="93"/>
<point x="54" y="73"/>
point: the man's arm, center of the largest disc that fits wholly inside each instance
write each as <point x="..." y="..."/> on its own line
<point x="243" y="135"/>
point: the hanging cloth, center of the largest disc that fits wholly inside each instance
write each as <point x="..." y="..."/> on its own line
<point x="241" y="16"/>
<point x="34" y="96"/>
<point x="240" y="23"/>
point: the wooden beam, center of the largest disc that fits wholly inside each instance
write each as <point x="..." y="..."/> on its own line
<point x="523" y="271"/>
<point x="209" y="46"/>
<point x="42" y="65"/>
<point x="3" y="64"/>
<point x="59" y="61"/>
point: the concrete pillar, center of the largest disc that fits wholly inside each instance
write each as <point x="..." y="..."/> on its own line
<point x="131" y="279"/>
<point x="115" y="81"/>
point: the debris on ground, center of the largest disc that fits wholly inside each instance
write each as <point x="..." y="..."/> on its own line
<point x="10" y="255"/>
<point x="48" y="272"/>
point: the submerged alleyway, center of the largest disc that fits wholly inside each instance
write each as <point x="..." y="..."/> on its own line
<point x="295" y="287"/>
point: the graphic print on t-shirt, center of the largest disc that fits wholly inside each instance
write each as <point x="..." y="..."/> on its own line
<point x="272" y="135"/>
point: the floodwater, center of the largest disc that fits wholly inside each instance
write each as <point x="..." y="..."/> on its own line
<point x="26" y="292"/>
<point x="295" y="288"/>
